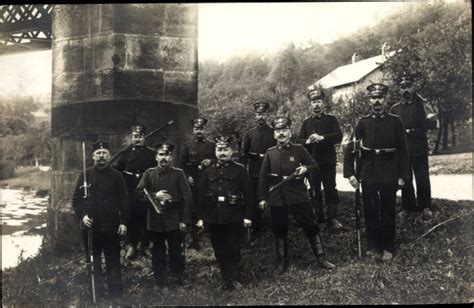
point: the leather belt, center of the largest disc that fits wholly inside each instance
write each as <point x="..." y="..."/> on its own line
<point x="256" y="155"/>
<point x="137" y="175"/>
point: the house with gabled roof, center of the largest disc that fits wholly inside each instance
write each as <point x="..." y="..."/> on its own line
<point x="346" y="80"/>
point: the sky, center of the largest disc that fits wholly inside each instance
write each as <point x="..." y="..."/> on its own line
<point x="226" y="30"/>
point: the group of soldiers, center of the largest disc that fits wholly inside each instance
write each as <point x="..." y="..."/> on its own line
<point x="208" y="189"/>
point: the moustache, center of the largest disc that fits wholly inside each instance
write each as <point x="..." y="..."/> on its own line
<point x="163" y="161"/>
<point x="281" y="136"/>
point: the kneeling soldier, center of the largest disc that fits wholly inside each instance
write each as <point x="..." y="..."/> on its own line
<point x="278" y="164"/>
<point x="171" y="195"/>
<point x="225" y="203"/>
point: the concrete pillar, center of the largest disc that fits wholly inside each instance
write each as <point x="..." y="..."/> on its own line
<point x="115" y="65"/>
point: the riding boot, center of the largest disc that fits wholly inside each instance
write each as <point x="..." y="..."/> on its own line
<point x="278" y="252"/>
<point x="317" y="247"/>
<point x="286" y="257"/>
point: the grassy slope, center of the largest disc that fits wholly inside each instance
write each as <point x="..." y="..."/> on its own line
<point x="29" y="177"/>
<point x="434" y="269"/>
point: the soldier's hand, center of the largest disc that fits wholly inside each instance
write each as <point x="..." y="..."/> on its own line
<point x="206" y="162"/>
<point x="301" y="170"/>
<point x="247" y="223"/>
<point x="182" y="226"/>
<point x="190" y="180"/>
<point x="262" y="204"/>
<point x="354" y="182"/>
<point x="401" y="183"/>
<point x="122" y="230"/>
<point x="163" y="195"/>
<point x="87" y="221"/>
<point x="200" y="224"/>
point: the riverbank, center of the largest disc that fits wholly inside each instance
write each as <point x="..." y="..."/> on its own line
<point x="430" y="267"/>
<point x="29" y="178"/>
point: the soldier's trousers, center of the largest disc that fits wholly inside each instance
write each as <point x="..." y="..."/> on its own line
<point x="106" y="242"/>
<point x="303" y="214"/>
<point x="379" y="212"/>
<point x="257" y="219"/>
<point x="327" y="177"/>
<point x="137" y="226"/>
<point x="159" y="259"/>
<point x="194" y="229"/>
<point x="418" y="168"/>
<point x="226" y="240"/>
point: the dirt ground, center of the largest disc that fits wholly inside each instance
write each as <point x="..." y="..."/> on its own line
<point x="429" y="268"/>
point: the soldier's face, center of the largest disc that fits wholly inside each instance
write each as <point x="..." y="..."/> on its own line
<point x="101" y="157"/>
<point x="199" y="132"/>
<point x="261" y="117"/>
<point x="406" y="90"/>
<point x="163" y="158"/>
<point x="223" y="153"/>
<point x="138" y="139"/>
<point x="317" y="106"/>
<point x="282" y="135"/>
<point x="377" y="104"/>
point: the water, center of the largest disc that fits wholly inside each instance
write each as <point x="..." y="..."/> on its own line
<point x="23" y="216"/>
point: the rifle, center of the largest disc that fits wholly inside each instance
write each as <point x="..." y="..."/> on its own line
<point x="152" y="201"/>
<point x="115" y="156"/>
<point x="287" y="179"/>
<point x="90" y="244"/>
<point x="356" y="151"/>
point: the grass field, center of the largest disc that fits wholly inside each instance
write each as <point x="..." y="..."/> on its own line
<point x="429" y="269"/>
<point x="30" y="178"/>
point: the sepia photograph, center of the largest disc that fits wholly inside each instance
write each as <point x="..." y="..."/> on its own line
<point x="228" y="154"/>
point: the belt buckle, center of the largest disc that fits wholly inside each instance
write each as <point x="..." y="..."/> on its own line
<point x="284" y="177"/>
<point x="378" y="151"/>
<point x="220" y="198"/>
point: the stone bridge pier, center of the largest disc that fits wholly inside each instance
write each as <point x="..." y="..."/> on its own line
<point x="115" y="65"/>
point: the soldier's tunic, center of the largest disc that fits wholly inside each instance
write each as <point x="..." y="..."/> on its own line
<point x="166" y="226"/>
<point x="108" y="206"/>
<point x="256" y="142"/>
<point x="279" y="162"/>
<point x="413" y="117"/>
<point x="384" y="159"/>
<point x="190" y="161"/>
<point x="132" y="163"/>
<point x="324" y="153"/>
<point x="225" y="199"/>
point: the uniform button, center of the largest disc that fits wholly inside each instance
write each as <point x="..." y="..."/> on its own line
<point x="220" y="181"/>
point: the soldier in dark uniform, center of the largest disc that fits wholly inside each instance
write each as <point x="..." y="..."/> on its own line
<point x="225" y="203"/>
<point x="195" y="157"/>
<point x="132" y="163"/>
<point x="256" y="142"/>
<point x="412" y="113"/>
<point x="319" y="134"/>
<point x="383" y="168"/>
<point x="106" y="212"/>
<point x="171" y="193"/>
<point x="280" y="162"/>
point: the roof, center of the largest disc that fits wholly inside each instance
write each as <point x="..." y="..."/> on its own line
<point x="353" y="72"/>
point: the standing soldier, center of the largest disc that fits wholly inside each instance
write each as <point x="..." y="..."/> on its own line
<point x="106" y="212"/>
<point x="195" y="157"/>
<point x="280" y="162"/>
<point x="383" y="168"/>
<point x="412" y="113"/>
<point x="169" y="190"/>
<point x="132" y="163"/>
<point x="256" y="142"/>
<point x="320" y="133"/>
<point x="225" y="203"/>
